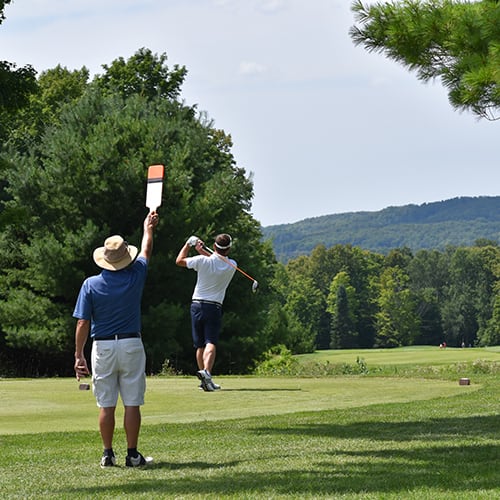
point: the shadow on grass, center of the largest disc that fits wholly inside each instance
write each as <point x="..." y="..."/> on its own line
<point x="250" y="389"/>
<point x="188" y="466"/>
<point x="372" y="457"/>
<point x="431" y="429"/>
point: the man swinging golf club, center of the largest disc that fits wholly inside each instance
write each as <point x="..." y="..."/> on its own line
<point x="215" y="272"/>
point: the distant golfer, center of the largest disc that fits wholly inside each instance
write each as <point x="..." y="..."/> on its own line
<point x="109" y="308"/>
<point x="214" y="276"/>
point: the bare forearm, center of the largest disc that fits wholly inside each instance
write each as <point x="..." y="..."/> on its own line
<point x="147" y="243"/>
<point x="81" y="336"/>
<point x="182" y="255"/>
<point x="150" y="222"/>
<point x="184" y="251"/>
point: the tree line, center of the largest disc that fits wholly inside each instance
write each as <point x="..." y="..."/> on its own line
<point x="346" y="297"/>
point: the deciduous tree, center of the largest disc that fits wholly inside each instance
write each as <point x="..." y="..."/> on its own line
<point x="396" y="319"/>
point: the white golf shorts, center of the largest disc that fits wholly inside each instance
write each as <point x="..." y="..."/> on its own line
<point x="118" y="367"/>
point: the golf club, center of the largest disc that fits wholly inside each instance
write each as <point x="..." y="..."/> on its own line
<point x="255" y="284"/>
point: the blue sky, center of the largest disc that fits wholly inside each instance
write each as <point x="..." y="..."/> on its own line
<point x="322" y="126"/>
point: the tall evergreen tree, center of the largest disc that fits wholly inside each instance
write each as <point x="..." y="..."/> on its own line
<point x="83" y="179"/>
<point x="456" y="42"/>
<point x="343" y="335"/>
<point x="344" y="309"/>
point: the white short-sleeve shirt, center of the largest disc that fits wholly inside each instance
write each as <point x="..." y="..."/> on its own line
<point x="214" y="276"/>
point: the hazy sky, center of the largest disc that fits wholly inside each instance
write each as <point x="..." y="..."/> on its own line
<point x="322" y="126"/>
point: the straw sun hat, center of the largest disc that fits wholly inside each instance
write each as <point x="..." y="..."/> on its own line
<point x="116" y="254"/>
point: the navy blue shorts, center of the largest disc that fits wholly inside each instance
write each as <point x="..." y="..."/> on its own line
<point x="206" y="323"/>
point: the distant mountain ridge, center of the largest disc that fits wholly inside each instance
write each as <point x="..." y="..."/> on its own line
<point x="455" y="222"/>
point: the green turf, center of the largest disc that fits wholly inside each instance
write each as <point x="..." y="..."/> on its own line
<point x="415" y="355"/>
<point x="57" y="404"/>
<point x="353" y="437"/>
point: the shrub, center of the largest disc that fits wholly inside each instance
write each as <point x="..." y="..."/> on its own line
<point x="168" y="370"/>
<point x="277" y="361"/>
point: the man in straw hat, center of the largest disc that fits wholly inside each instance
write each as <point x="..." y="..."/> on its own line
<point x="109" y="308"/>
<point x="214" y="276"/>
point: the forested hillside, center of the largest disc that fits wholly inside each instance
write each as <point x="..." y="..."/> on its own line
<point x="455" y="222"/>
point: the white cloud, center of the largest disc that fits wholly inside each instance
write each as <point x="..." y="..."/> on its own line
<point x="271" y="5"/>
<point x="251" y="68"/>
<point x="266" y="6"/>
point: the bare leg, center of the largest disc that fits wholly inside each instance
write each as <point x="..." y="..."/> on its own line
<point x="209" y="357"/>
<point x="132" y="425"/>
<point x="199" y="357"/>
<point x="107" y="425"/>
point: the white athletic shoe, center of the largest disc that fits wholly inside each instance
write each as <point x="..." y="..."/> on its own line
<point x="108" y="461"/>
<point x="215" y="386"/>
<point x="206" y="380"/>
<point x="138" y="461"/>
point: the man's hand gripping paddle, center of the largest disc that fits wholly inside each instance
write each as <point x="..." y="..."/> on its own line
<point x="155" y="187"/>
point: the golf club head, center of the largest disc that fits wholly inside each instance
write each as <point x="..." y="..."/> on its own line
<point x="255" y="285"/>
<point x="84" y="387"/>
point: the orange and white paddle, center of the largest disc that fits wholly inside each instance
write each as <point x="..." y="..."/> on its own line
<point x="155" y="186"/>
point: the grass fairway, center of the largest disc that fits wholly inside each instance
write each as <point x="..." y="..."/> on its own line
<point x="283" y="437"/>
<point x="41" y="406"/>
<point x="414" y="355"/>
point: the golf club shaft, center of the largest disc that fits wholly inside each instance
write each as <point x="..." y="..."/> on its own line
<point x="227" y="261"/>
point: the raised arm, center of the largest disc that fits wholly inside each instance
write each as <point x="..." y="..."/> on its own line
<point x="150" y="222"/>
<point x="195" y="242"/>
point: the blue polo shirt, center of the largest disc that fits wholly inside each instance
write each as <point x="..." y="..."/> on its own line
<point x="111" y="301"/>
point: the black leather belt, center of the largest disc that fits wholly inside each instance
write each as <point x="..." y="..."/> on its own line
<point x="119" y="336"/>
<point x="200" y="301"/>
